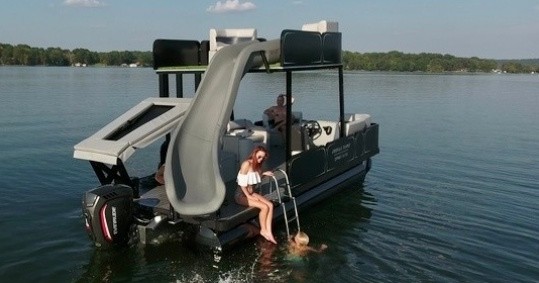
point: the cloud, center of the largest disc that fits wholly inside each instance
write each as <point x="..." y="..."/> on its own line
<point x="84" y="3"/>
<point x="231" y="6"/>
<point x="297" y="2"/>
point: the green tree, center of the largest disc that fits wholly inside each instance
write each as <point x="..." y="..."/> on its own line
<point x="56" y="57"/>
<point x="21" y="54"/>
<point x="81" y="55"/>
<point x="6" y="58"/>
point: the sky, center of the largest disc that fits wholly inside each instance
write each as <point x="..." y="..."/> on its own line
<point x="493" y="29"/>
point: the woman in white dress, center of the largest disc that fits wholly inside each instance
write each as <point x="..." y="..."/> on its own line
<point x="248" y="178"/>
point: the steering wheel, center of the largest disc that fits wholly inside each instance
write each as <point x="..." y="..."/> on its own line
<point x="313" y="129"/>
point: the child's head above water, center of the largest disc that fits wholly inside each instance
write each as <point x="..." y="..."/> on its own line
<point x="301" y="238"/>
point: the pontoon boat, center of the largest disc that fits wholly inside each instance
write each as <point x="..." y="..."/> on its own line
<point x="205" y="144"/>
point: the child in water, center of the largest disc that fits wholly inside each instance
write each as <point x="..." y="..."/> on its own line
<point x="298" y="245"/>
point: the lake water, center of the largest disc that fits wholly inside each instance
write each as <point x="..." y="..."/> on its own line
<point x="452" y="197"/>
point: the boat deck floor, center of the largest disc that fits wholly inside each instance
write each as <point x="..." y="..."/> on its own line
<point x="154" y="198"/>
<point x="229" y="215"/>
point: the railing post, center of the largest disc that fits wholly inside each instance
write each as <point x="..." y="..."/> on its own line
<point x="288" y="128"/>
<point x="179" y="85"/>
<point x="341" y="101"/>
<point x="163" y="85"/>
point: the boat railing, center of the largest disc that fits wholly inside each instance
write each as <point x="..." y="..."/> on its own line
<point x="284" y="197"/>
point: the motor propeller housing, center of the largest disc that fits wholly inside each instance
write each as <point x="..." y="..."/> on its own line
<point x="108" y="214"/>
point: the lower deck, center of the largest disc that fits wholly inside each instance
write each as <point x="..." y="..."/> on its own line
<point x="231" y="214"/>
<point x="153" y="198"/>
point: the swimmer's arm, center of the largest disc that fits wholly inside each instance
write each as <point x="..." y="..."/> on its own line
<point x="319" y="250"/>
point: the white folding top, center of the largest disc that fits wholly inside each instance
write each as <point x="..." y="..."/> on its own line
<point x="321" y="26"/>
<point x="98" y="148"/>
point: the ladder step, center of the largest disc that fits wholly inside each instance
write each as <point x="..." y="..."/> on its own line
<point x="286" y="198"/>
<point x="283" y="201"/>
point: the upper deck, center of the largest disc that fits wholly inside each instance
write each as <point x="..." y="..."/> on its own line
<point x="299" y="50"/>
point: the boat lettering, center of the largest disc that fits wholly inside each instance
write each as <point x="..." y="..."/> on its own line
<point x="114" y="222"/>
<point x="341" y="152"/>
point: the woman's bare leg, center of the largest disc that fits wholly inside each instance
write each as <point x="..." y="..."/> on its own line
<point x="262" y="216"/>
<point x="269" y="216"/>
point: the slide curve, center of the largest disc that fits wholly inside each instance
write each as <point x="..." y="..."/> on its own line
<point x="192" y="177"/>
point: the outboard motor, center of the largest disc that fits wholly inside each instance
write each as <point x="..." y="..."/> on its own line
<point x="108" y="213"/>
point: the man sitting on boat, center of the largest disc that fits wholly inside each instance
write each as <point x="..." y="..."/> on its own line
<point x="276" y="115"/>
<point x="276" y="111"/>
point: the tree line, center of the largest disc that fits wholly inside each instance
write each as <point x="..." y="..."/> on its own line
<point x="25" y="55"/>
<point x="431" y="62"/>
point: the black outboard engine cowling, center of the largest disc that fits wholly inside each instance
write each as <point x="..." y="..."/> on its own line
<point x="108" y="213"/>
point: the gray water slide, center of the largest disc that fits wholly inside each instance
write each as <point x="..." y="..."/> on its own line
<point x="193" y="181"/>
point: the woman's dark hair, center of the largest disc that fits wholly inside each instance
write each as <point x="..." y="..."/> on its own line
<point x="252" y="157"/>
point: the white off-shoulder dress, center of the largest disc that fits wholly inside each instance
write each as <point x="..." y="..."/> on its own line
<point x="250" y="179"/>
